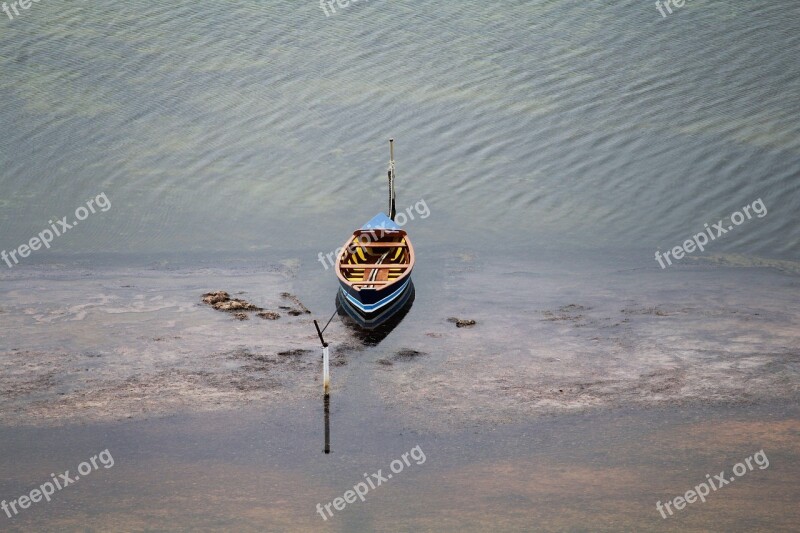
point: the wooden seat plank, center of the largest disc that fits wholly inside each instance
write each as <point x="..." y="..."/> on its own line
<point x="379" y="245"/>
<point x="375" y="265"/>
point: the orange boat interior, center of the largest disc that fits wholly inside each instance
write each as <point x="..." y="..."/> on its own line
<point x="374" y="258"/>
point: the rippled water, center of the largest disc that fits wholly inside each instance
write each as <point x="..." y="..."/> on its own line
<point x="235" y="126"/>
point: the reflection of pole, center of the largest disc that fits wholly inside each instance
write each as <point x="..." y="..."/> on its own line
<point x="327" y="403"/>
<point x="326" y="372"/>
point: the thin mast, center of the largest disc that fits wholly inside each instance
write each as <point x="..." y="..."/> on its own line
<point x="392" y="211"/>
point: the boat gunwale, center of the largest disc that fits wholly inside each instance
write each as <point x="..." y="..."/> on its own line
<point x="408" y="265"/>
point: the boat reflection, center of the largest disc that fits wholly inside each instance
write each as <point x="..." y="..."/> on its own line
<point x="373" y="330"/>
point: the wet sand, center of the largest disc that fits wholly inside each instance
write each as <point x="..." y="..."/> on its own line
<point x="123" y="344"/>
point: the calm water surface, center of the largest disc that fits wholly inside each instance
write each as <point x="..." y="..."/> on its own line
<point x="265" y="471"/>
<point x="245" y="125"/>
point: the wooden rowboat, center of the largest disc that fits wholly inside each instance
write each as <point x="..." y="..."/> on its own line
<point x="374" y="266"/>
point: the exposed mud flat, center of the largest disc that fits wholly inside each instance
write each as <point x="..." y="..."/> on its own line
<point x="544" y="342"/>
<point x="155" y="350"/>
<point x="582" y="359"/>
<point x="63" y="388"/>
<point x="728" y="336"/>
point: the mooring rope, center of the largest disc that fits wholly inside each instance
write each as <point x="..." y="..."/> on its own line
<point x="336" y="310"/>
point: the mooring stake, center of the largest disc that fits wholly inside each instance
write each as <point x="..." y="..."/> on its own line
<point x="326" y="374"/>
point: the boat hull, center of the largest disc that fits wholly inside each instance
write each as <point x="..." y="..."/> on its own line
<point x="374" y="270"/>
<point x="371" y="302"/>
<point x="377" y="316"/>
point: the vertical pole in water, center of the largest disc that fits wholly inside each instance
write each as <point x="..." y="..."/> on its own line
<point x="326" y="368"/>
<point x="326" y="388"/>
<point x="392" y="211"/>
<point x="326" y="371"/>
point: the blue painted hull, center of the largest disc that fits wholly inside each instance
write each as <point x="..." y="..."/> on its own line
<point x="372" y="302"/>
<point x="374" y="319"/>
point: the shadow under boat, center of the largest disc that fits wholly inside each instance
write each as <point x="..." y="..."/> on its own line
<point x="373" y="329"/>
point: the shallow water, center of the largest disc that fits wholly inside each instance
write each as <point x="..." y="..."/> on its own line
<point x="250" y="125"/>
<point x="265" y="471"/>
